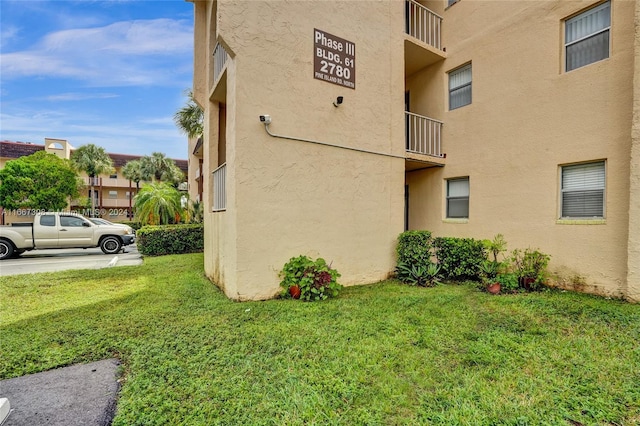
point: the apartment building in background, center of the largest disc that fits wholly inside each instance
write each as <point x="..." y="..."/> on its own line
<point x="113" y="193"/>
<point x="333" y="126"/>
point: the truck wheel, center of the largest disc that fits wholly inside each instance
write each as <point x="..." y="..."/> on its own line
<point x="110" y="245"/>
<point x="6" y="249"/>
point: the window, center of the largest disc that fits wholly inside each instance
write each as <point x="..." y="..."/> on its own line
<point x="71" y="221"/>
<point x="587" y="37"/>
<point x="458" y="198"/>
<point x="460" y="87"/>
<point x="582" y="190"/>
<point x="113" y="176"/>
<point x="113" y="194"/>
<point x="128" y="195"/>
<point x="452" y="2"/>
<point x="48" y="220"/>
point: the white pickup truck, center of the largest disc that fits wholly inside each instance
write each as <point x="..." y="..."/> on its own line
<point x="62" y="230"/>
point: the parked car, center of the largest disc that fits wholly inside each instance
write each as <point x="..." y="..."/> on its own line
<point x="62" y="230"/>
<point x="99" y="221"/>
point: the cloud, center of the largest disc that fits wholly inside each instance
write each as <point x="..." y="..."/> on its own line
<point x="79" y="96"/>
<point x="8" y="34"/>
<point x="133" y="136"/>
<point x="126" y="53"/>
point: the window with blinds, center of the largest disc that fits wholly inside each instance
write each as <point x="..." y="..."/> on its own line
<point x="582" y="190"/>
<point x="587" y="37"/>
<point x="460" y="87"/>
<point x="458" y="198"/>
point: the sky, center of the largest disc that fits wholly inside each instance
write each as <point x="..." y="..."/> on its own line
<point x="110" y="73"/>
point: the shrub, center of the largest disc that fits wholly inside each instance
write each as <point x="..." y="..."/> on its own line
<point x="414" y="248"/>
<point x="170" y="239"/>
<point x="508" y="282"/>
<point x="316" y="280"/>
<point x="530" y="267"/>
<point x="460" y="258"/>
<point x="135" y="225"/>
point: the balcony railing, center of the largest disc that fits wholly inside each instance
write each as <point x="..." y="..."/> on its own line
<point x="220" y="57"/>
<point x="220" y="188"/>
<point x="116" y="203"/>
<point x="89" y="181"/>
<point x="424" y="135"/>
<point x="423" y="24"/>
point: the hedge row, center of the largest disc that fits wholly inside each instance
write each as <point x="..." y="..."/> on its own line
<point x="459" y="258"/>
<point x="170" y="239"/>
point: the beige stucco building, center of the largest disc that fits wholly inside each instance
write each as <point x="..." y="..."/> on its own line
<point x="332" y="126"/>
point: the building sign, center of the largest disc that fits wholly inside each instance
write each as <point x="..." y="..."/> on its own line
<point x="334" y="59"/>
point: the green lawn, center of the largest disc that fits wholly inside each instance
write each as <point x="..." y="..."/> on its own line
<point x="384" y="354"/>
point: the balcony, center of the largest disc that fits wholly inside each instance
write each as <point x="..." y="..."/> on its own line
<point x="112" y="203"/>
<point x="219" y="81"/>
<point x="220" y="188"/>
<point x="423" y="142"/>
<point x="423" y="40"/>
<point x="109" y="182"/>
<point x="89" y="181"/>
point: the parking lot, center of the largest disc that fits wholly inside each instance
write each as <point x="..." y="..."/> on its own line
<point x="64" y="259"/>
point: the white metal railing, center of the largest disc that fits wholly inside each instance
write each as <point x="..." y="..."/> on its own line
<point x="220" y="57"/>
<point x="423" y="24"/>
<point x="220" y="188"/>
<point x="424" y="135"/>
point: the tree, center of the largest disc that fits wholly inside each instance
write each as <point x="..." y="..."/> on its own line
<point x="94" y="161"/>
<point x="133" y="171"/>
<point x="190" y="118"/>
<point x="158" y="168"/>
<point x="158" y="203"/>
<point x="40" y="181"/>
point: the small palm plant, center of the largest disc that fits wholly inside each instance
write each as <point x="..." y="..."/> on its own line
<point x="158" y="203"/>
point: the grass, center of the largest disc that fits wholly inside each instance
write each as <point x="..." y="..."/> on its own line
<point x="384" y="354"/>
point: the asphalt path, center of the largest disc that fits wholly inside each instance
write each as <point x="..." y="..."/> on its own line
<point x="79" y="395"/>
<point x="63" y="259"/>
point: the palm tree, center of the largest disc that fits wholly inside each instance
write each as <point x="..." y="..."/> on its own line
<point x="196" y="212"/>
<point x="190" y="118"/>
<point x="94" y="161"/>
<point x="158" y="203"/>
<point x="157" y="167"/>
<point x="133" y="171"/>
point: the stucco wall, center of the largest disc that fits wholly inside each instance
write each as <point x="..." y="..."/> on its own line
<point x="633" y="277"/>
<point x="290" y="197"/>
<point x="527" y="118"/>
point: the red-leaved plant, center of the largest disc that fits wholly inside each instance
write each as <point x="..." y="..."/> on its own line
<point x="315" y="279"/>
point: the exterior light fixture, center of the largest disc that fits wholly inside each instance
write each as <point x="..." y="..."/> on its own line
<point x="338" y="101"/>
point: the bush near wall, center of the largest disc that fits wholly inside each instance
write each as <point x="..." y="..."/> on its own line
<point x="170" y="239"/>
<point x="460" y="258"/>
<point x="414" y="248"/>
